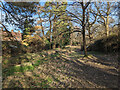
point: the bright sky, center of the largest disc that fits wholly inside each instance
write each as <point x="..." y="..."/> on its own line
<point x="10" y="27"/>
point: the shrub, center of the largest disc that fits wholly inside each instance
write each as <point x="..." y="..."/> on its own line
<point x="48" y="45"/>
<point x="11" y="48"/>
<point x="33" y="43"/>
<point x="106" y="44"/>
<point x="75" y="43"/>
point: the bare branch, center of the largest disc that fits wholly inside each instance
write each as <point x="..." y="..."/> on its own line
<point x="74" y="15"/>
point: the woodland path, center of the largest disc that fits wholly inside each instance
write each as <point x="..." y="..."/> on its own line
<point x="67" y="68"/>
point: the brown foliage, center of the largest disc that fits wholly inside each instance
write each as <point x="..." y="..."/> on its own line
<point x="33" y="43"/>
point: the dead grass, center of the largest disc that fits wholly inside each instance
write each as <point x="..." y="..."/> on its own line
<point x="66" y="69"/>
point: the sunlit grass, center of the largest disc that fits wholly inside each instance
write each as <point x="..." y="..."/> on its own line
<point x="29" y="57"/>
<point x="12" y="70"/>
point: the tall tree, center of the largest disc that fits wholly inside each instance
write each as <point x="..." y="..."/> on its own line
<point x="91" y="20"/>
<point x="84" y="7"/>
<point x="55" y="12"/>
<point x="81" y="18"/>
<point x="18" y="13"/>
<point x="40" y="22"/>
<point x="104" y="11"/>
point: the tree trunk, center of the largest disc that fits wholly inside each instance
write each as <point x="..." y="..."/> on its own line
<point x="54" y="44"/>
<point x="107" y="19"/>
<point x="107" y="26"/>
<point x="71" y="39"/>
<point x="54" y="32"/>
<point x="60" y="39"/>
<point x="54" y="28"/>
<point x="89" y="34"/>
<point x="83" y="28"/>
<point x="50" y="31"/>
<point x="54" y="39"/>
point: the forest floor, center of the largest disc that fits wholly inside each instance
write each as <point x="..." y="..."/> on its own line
<point x="61" y="68"/>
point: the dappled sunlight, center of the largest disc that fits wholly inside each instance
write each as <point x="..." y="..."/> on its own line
<point x="61" y="68"/>
<point x="99" y="65"/>
<point x="92" y="57"/>
<point x="59" y="44"/>
<point x="92" y="61"/>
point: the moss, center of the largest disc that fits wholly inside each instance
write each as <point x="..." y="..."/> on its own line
<point x="49" y="80"/>
<point x="12" y="70"/>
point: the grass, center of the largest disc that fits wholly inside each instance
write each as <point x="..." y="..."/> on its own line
<point x="14" y="64"/>
<point x="37" y="57"/>
<point x="18" y="68"/>
<point x="12" y="70"/>
<point x="45" y="75"/>
<point x="49" y="80"/>
<point x="38" y="62"/>
<point x="45" y="83"/>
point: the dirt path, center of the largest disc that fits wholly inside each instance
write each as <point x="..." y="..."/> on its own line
<point x="67" y="68"/>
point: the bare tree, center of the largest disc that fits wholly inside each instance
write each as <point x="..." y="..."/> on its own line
<point x="89" y="22"/>
<point x="82" y="21"/>
<point x="104" y="11"/>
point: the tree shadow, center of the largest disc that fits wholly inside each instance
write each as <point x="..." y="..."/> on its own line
<point x="84" y="74"/>
<point x="94" y="75"/>
<point x="104" y="61"/>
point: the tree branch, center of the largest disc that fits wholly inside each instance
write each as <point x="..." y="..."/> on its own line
<point x="74" y="15"/>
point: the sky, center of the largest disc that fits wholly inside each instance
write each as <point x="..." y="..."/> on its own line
<point x="10" y="27"/>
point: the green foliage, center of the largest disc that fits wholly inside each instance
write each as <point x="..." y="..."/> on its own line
<point x="38" y="62"/>
<point x="49" y="80"/>
<point x="17" y="12"/>
<point x="12" y="70"/>
<point x="25" y="62"/>
<point x="28" y="29"/>
<point x="60" y="23"/>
